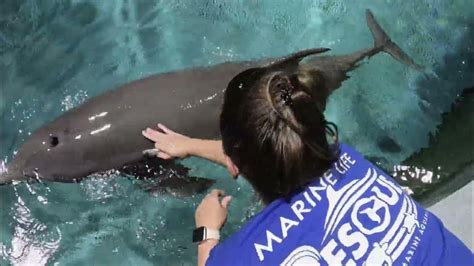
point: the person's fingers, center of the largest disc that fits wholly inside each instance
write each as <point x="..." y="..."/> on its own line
<point x="225" y="201"/>
<point x="162" y="145"/>
<point x="165" y="129"/>
<point x="147" y="135"/>
<point x="163" y="155"/>
<point x="163" y="148"/>
<point x="152" y="135"/>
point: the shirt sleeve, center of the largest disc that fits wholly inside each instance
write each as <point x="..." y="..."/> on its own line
<point x="219" y="256"/>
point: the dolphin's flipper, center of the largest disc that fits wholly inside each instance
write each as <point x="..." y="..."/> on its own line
<point x="178" y="186"/>
<point x="383" y="41"/>
<point x="166" y="177"/>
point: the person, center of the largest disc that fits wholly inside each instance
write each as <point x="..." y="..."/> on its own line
<point x="325" y="203"/>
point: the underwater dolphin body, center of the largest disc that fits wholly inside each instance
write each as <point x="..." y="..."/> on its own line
<point x="105" y="132"/>
<point x="447" y="164"/>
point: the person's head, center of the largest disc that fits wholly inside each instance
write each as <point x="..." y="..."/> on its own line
<point x="273" y="129"/>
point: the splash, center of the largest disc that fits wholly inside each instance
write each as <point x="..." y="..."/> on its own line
<point x="32" y="243"/>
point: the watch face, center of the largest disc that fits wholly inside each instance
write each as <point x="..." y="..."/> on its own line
<point x="198" y="234"/>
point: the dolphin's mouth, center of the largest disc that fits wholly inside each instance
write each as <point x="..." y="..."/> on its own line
<point x="32" y="175"/>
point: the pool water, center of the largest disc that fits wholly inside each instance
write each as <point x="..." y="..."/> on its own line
<point x="56" y="54"/>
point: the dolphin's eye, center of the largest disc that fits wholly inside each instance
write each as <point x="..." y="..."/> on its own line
<point x="53" y="141"/>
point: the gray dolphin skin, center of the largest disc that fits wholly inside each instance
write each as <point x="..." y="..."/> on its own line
<point x="105" y="132"/>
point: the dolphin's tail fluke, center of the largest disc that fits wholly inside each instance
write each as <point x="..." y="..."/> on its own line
<point x="383" y="42"/>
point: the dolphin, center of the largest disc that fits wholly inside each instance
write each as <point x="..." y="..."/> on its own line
<point x="105" y="132"/>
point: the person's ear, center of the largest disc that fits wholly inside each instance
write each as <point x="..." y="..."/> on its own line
<point x="233" y="169"/>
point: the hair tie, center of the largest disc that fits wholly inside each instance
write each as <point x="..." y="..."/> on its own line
<point x="286" y="93"/>
<point x="286" y="96"/>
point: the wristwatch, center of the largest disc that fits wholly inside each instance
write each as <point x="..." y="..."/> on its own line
<point x="203" y="233"/>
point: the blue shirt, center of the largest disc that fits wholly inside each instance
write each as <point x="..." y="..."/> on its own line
<point x="355" y="214"/>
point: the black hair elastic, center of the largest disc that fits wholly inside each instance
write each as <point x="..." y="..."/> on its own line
<point x="286" y="96"/>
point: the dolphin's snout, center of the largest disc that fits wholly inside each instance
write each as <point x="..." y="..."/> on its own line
<point x="7" y="178"/>
<point x="8" y="174"/>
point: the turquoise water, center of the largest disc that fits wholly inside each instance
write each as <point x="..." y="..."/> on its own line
<point x="56" y="54"/>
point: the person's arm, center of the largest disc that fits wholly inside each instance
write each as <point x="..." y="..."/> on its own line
<point x="208" y="149"/>
<point x="170" y="144"/>
<point x="212" y="214"/>
<point x="204" y="249"/>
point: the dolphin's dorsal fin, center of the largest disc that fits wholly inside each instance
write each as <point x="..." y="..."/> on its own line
<point x="246" y="78"/>
<point x="295" y="58"/>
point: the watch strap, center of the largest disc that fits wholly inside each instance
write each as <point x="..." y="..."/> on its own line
<point x="212" y="234"/>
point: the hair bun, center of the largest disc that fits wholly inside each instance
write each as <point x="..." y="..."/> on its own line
<point x="300" y="96"/>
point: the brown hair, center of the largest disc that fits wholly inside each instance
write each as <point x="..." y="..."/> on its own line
<point x="274" y="130"/>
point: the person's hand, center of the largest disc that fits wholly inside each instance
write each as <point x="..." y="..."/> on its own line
<point x="168" y="143"/>
<point x="212" y="212"/>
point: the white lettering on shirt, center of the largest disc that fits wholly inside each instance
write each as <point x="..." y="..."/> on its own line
<point x="312" y="195"/>
<point x="298" y="209"/>
<point x="286" y="224"/>
<point x="269" y="247"/>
